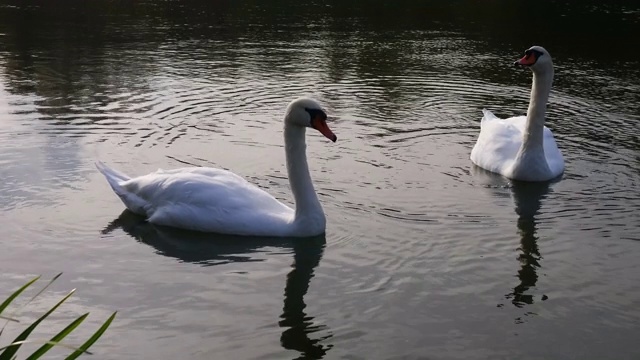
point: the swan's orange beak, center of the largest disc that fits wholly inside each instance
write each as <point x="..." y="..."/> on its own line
<point x="527" y="60"/>
<point x="320" y="124"/>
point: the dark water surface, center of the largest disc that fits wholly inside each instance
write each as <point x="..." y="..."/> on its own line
<point x="425" y="256"/>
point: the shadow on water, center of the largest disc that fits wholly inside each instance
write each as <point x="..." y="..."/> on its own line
<point x="214" y="249"/>
<point x="527" y="198"/>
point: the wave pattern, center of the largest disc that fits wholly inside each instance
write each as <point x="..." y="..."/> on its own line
<point x="418" y="239"/>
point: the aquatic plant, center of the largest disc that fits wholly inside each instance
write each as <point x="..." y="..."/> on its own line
<point x="8" y="352"/>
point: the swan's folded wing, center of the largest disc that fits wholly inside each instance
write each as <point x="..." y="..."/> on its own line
<point x="498" y="142"/>
<point x="198" y="198"/>
<point x="552" y="153"/>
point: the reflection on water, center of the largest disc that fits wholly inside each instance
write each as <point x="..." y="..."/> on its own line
<point x="528" y="199"/>
<point x="297" y="324"/>
<point x="216" y="249"/>
<point x="190" y="246"/>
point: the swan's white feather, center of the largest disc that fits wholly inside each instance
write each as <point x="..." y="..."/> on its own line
<point x="500" y="139"/>
<point x="203" y="199"/>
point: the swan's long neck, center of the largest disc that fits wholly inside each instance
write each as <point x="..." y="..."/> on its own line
<point x="537" y="110"/>
<point x="307" y="203"/>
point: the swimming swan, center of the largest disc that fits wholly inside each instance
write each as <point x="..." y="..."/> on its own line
<point x="522" y="148"/>
<point x="215" y="200"/>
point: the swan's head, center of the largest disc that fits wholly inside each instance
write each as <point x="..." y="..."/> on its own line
<point x="536" y="58"/>
<point x="306" y="112"/>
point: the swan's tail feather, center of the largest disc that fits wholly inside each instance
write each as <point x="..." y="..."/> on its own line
<point x="488" y="114"/>
<point x="115" y="180"/>
<point x="114" y="177"/>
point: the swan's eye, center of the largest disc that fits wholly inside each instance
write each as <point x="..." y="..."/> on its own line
<point x="536" y="54"/>
<point x="315" y="113"/>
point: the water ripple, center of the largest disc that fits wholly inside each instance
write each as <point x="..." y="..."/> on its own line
<point x="417" y="237"/>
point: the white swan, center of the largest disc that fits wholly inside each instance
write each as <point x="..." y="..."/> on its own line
<point x="216" y="200"/>
<point x="522" y="148"/>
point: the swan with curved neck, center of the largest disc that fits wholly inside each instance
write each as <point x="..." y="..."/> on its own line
<point x="522" y="148"/>
<point x="215" y="200"/>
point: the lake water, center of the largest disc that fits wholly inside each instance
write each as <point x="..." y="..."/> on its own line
<point x="424" y="257"/>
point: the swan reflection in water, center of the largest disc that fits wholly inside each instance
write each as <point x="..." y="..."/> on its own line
<point x="214" y="249"/>
<point x="527" y="198"/>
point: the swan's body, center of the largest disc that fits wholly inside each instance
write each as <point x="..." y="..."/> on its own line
<point x="522" y="148"/>
<point x="499" y="145"/>
<point x="215" y="200"/>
